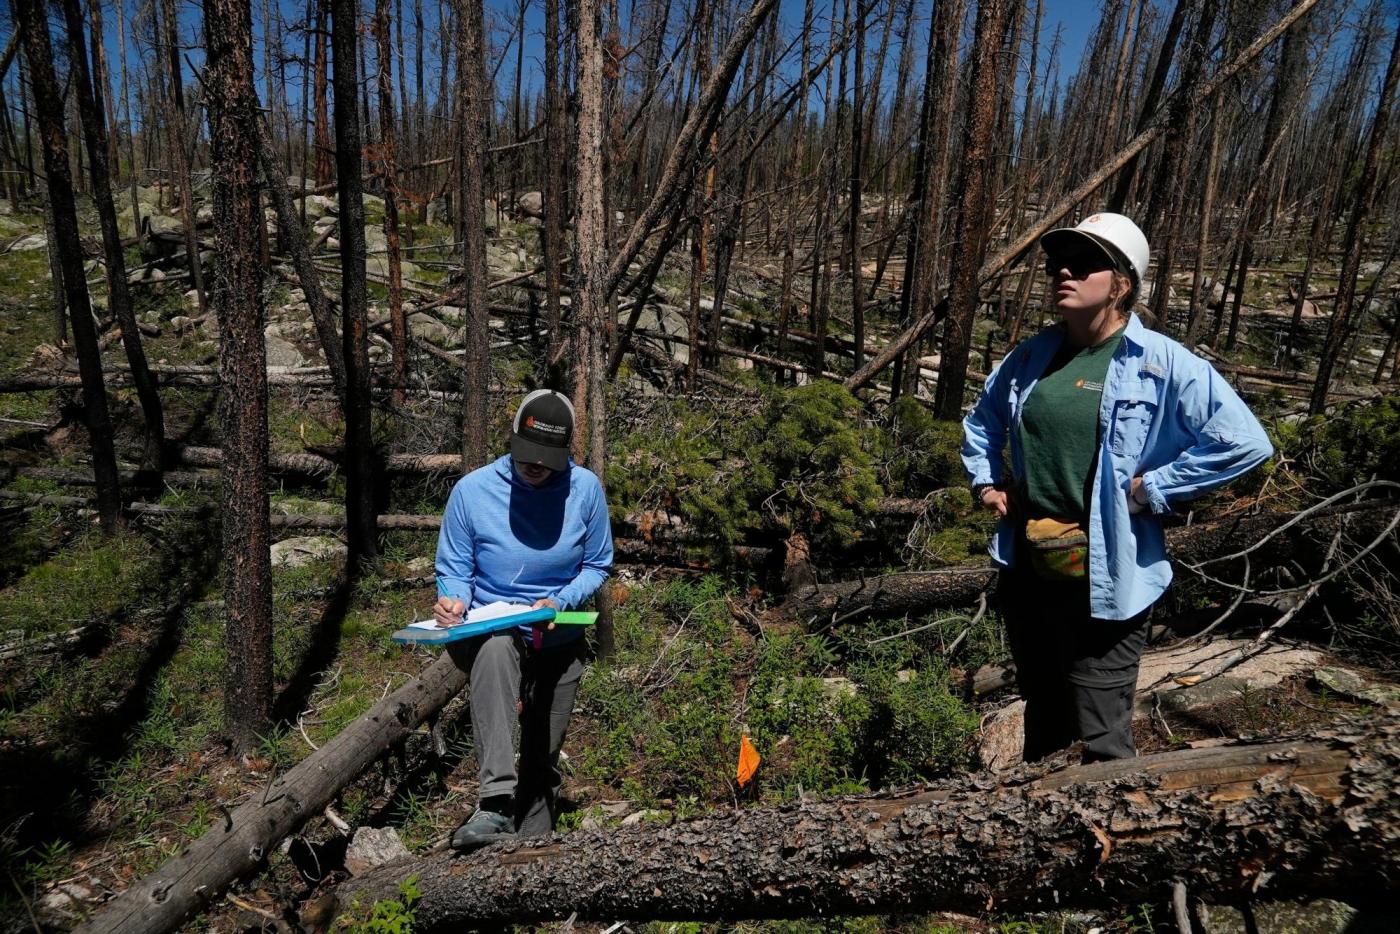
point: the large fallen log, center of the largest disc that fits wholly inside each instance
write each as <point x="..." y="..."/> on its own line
<point x="1318" y="815"/>
<point x="913" y="593"/>
<point x="238" y="844"/>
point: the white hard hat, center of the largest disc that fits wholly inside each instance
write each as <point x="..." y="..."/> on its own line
<point x="1115" y="234"/>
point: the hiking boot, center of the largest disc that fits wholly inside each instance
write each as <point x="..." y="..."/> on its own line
<point x="481" y="829"/>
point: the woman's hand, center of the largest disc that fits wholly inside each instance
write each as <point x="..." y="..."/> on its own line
<point x="543" y="602"/>
<point x="1137" y="497"/>
<point x="998" y="500"/>
<point x="449" y="611"/>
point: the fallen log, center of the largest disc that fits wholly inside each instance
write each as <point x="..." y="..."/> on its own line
<point x="238" y="844"/>
<point x="913" y="593"/>
<point x="1312" y="816"/>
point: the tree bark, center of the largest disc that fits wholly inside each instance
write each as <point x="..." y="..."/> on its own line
<point x="359" y="441"/>
<point x="38" y="52"/>
<point x="239" y="843"/>
<point x="964" y="279"/>
<point x="398" y="321"/>
<point x="233" y="137"/>
<point x="1312" y="816"/>
<point x="475" y="107"/>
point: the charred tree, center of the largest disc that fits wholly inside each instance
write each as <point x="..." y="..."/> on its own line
<point x="233" y="138"/>
<point x="32" y="20"/>
<point x="555" y="208"/>
<point x="359" y="441"/>
<point x="118" y="295"/>
<point x="974" y="215"/>
<point x="1353" y="245"/>
<point x="471" y="157"/>
<point x="398" y="322"/>
<point x="177" y="140"/>
<point x="1312" y="815"/>
<point x="321" y="138"/>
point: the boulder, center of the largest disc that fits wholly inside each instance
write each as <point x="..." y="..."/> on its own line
<point x="490" y="216"/>
<point x="1173" y="676"/>
<point x="328" y="220"/>
<point x="375" y="238"/>
<point x="163" y="225"/>
<point x="35" y="241"/>
<point x="426" y="327"/>
<point x="373" y="846"/>
<point x="318" y="206"/>
<point x="295" y="552"/>
<point x="282" y="352"/>
<point x="437" y="212"/>
<point x="205" y="215"/>
<point x="531" y="203"/>
<point x="1349" y="683"/>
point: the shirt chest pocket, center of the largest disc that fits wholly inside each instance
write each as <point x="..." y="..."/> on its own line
<point x="1133" y="416"/>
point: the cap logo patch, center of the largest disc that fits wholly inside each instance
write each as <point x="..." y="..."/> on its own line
<point x="529" y="421"/>
<point x="1093" y="219"/>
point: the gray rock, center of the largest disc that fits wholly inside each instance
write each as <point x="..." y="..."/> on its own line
<point x="437" y="212"/>
<point x="531" y="203"/>
<point x="329" y="220"/>
<point x="162" y="225"/>
<point x="490" y="214"/>
<point x="295" y="552"/>
<point x="601" y="816"/>
<point x="632" y="820"/>
<point x="205" y="215"/>
<point x="281" y="352"/>
<point x="373" y="846"/>
<point x="67" y="901"/>
<point x="36" y="241"/>
<point x="1323" y="916"/>
<point x="426" y="327"/>
<point x="375" y="238"/>
<point x="318" y="206"/>
<point x="1351" y="684"/>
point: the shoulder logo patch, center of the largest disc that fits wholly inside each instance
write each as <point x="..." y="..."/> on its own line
<point x="1155" y="369"/>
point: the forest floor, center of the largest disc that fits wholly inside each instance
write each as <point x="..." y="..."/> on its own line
<point x="111" y="649"/>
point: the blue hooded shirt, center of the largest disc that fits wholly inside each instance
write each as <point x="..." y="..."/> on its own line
<point x="505" y="540"/>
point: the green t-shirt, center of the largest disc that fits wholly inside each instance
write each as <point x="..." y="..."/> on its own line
<point x="1060" y="430"/>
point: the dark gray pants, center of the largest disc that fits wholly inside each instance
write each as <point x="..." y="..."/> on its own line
<point x="1076" y="673"/>
<point x="513" y="684"/>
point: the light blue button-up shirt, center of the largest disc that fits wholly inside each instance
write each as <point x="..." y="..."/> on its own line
<point x="1165" y="414"/>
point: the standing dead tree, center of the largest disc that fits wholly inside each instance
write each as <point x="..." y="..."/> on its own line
<point x="359" y="441"/>
<point x="118" y="294"/>
<point x="474" y="106"/>
<point x="1338" y="330"/>
<point x="1052" y="215"/>
<point x="233" y="139"/>
<point x="62" y="212"/>
<point x="976" y="197"/>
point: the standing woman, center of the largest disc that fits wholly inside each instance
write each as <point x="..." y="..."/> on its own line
<point x="1110" y="427"/>
<point x="531" y="528"/>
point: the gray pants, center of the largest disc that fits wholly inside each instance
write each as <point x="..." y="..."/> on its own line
<point x="1076" y="673"/>
<point x="512" y="684"/>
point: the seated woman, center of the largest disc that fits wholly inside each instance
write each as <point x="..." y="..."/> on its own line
<point x="531" y="528"/>
<point x="1110" y="426"/>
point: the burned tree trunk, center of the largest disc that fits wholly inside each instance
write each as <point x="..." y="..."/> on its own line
<point x="474" y="106"/>
<point x="233" y="136"/>
<point x="398" y="320"/>
<point x="974" y="216"/>
<point x="238" y="844"/>
<point x="552" y="239"/>
<point x="294" y="233"/>
<point x="1316" y="815"/>
<point x="359" y="474"/>
<point x="118" y="296"/>
<point x="38" y="54"/>
<point x="1353" y="246"/>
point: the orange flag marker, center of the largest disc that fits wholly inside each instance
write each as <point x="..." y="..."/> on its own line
<point x="748" y="761"/>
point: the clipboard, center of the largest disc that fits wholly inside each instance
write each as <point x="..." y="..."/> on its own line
<point x="417" y="636"/>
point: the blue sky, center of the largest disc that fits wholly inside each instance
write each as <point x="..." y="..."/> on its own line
<point x="1077" y="18"/>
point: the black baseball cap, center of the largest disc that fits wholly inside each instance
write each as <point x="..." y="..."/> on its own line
<point x="543" y="429"/>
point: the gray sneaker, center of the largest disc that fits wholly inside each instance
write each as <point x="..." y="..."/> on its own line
<point x="481" y="829"/>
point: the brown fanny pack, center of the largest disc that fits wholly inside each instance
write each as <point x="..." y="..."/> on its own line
<point x="1058" y="550"/>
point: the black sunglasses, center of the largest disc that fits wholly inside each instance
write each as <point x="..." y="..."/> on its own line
<point x="1080" y="264"/>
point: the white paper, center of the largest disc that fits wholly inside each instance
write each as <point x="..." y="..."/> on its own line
<point x="480" y="614"/>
